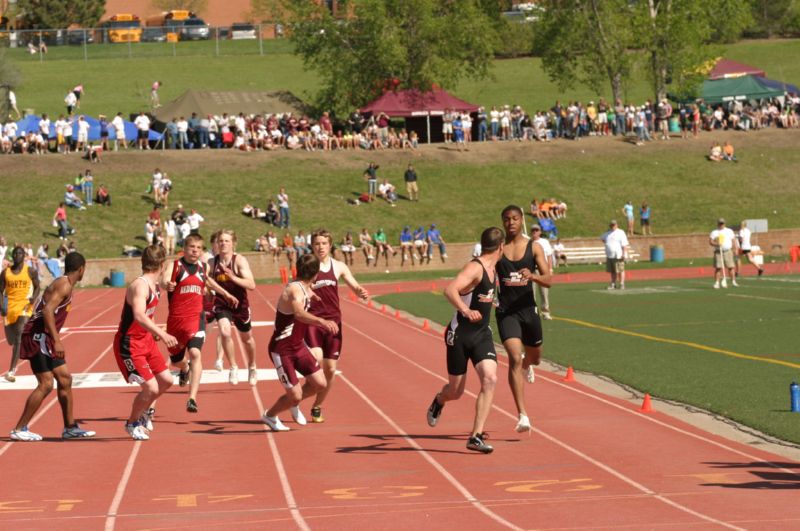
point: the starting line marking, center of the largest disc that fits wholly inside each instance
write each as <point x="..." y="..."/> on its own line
<point x="653" y="290"/>
<point x="113" y="328"/>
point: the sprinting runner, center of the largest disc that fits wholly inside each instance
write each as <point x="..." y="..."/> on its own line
<point x="232" y="272"/>
<point x="327" y="346"/>
<point x="288" y="348"/>
<point x="19" y="283"/>
<point x="208" y="299"/>
<point x="135" y="349"/>
<point x="41" y="344"/>
<point x="521" y="264"/>
<point x="469" y="338"/>
<point x="186" y="280"/>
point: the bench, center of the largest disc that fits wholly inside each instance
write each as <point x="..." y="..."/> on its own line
<point x="593" y="255"/>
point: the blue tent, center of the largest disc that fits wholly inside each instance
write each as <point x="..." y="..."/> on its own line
<point x="31" y="123"/>
<point x="780" y="85"/>
<point x="28" y="124"/>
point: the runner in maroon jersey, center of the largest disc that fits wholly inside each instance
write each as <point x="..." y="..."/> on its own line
<point x="288" y="349"/>
<point x="41" y="344"/>
<point x="232" y="272"/>
<point x="186" y="280"/>
<point x="327" y="346"/>
<point x="135" y="349"/>
<point x="208" y="300"/>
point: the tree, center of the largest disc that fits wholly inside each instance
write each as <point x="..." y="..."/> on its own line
<point x="195" y="6"/>
<point x="9" y="79"/>
<point x="771" y="17"/>
<point x="587" y="41"/>
<point x="379" y="44"/>
<point x="44" y="14"/>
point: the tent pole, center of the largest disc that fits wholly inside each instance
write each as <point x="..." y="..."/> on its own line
<point x="428" y="118"/>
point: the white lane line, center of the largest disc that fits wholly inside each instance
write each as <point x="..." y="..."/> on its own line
<point x="564" y="445"/>
<point x="111" y="514"/>
<point x="776" y="299"/>
<point x="466" y="494"/>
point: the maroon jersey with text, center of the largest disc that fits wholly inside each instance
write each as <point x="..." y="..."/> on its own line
<point x="35" y="324"/>
<point x="230" y="286"/>
<point x="289" y="333"/>
<point x="326" y="287"/>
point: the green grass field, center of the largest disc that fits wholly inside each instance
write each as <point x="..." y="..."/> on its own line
<point x="731" y="352"/>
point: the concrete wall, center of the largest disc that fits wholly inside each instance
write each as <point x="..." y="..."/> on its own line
<point x="775" y="242"/>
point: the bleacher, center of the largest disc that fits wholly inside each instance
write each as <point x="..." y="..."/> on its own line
<point x="593" y="255"/>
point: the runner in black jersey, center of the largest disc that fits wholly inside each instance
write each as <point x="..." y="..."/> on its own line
<point x="520" y="265"/>
<point x="469" y="338"/>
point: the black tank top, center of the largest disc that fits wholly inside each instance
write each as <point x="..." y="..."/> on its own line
<point x="481" y="298"/>
<point x="516" y="293"/>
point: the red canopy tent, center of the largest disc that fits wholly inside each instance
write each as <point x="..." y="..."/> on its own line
<point x="727" y="69"/>
<point x="415" y="105"/>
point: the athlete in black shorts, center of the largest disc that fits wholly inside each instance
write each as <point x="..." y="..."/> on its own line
<point x="469" y="338"/>
<point x="521" y="264"/>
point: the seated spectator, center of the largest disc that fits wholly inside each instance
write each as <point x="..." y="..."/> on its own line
<point x="272" y="245"/>
<point x="559" y="254"/>
<point x="387" y="191"/>
<point x="348" y="248"/>
<point x="545" y="209"/>
<point x="273" y="214"/>
<point x="287" y="246"/>
<point x="535" y="212"/>
<point x="72" y="200"/>
<point x="715" y="154"/>
<point x="301" y="244"/>
<point x="365" y="240"/>
<point x="92" y="153"/>
<point x="728" y="152"/>
<point x="435" y="239"/>
<point x="103" y="197"/>
<point x="421" y="243"/>
<point x="252" y="212"/>
<point x="382" y="247"/>
<point x="407" y="245"/>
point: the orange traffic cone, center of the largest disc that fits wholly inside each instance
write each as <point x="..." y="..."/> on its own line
<point x="647" y="407"/>
<point x="570" y="377"/>
<point x="397" y="314"/>
<point x="396" y="288"/>
<point x="383" y="308"/>
<point x="294" y="272"/>
<point x="433" y="286"/>
<point x="426" y="325"/>
<point x="369" y="304"/>
<point x="284" y="275"/>
<point x="353" y="297"/>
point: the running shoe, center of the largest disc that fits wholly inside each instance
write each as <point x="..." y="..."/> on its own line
<point x="530" y="376"/>
<point x="316" y="415"/>
<point x="136" y="431"/>
<point x="274" y="423"/>
<point x="233" y="376"/>
<point x="252" y="376"/>
<point x="735" y="284"/>
<point x="716" y="285"/>
<point x="546" y="315"/>
<point x="191" y="405"/>
<point x="611" y="286"/>
<point x="183" y="378"/>
<point x="724" y="283"/>
<point x="218" y="366"/>
<point x="434" y="411"/>
<point x="146" y="420"/>
<point x="298" y="416"/>
<point x="75" y="432"/>
<point x="11" y="376"/>
<point x="761" y="272"/>
<point x="523" y="425"/>
<point x="25" y="435"/>
<point x="476" y="444"/>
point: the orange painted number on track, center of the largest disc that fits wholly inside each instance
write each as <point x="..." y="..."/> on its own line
<point x="371" y="493"/>
<point x="193" y="500"/>
<point x="8" y="507"/>
<point x="549" y="485"/>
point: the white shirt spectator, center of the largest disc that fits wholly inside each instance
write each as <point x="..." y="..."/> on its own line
<point x="12" y="98"/>
<point x="158" y="177"/>
<point x="169" y="228"/>
<point x="183" y="126"/>
<point x="547" y="248"/>
<point x="83" y="130"/>
<point x="142" y="123"/>
<point x="744" y="237"/>
<point x="119" y="126"/>
<point x="67" y="128"/>
<point x="59" y="125"/>
<point x="70" y="100"/>
<point x="239" y="121"/>
<point x="185" y="229"/>
<point x="616" y="242"/>
<point x="44" y="127"/>
<point x="724" y="238"/>
<point x="10" y="130"/>
<point x="194" y="220"/>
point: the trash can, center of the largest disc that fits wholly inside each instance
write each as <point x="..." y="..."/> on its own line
<point x="117" y="278"/>
<point x="674" y="125"/>
<point x="657" y="253"/>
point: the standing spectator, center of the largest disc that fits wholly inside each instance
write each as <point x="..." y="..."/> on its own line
<point x="283" y="208"/>
<point x="371" y="176"/>
<point x="458" y="131"/>
<point x="195" y="219"/>
<point x="183" y="133"/>
<point x="410" y="178"/>
<point x="543" y="292"/>
<point x="434" y="238"/>
<point x="627" y="211"/>
<point x="644" y="219"/>
<point x="617" y="248"/>
<point x="155" y="186"/>
<point x="494" y="118"/>
<point x="12" y="103"/>
<point x="142" y="123"/>
<point x="88" y="186"/>
<point x="44" y="129"/>
<point x="119" y="129"/>
<point x="71" y="101"/>
<point x="170" y="232"/>
<point x="67" y="124"/>
<point x="154" y="101"/>
<point x="482" y="126"/>
<point x="103" y="132"/>
<point x="447" y="125"/>
<point x="724" y="242"/>
<point x="78" y="91"/>
<point x="83" y="134"/>
<point x="60" y="221"/>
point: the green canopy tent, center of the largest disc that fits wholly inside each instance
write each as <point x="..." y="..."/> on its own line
<point x="736" y="89"/>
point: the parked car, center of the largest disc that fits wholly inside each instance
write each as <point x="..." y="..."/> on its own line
<point x="154" y="34"/>
<point x="241" y="31"/>
<point x="194" y="29"/>
<point x="80" y="36"/>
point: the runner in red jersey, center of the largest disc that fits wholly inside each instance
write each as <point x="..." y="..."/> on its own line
<point x="41" y="344"/>
<point x="326" y="346"/>
<point x="288" y="348"/>
<point x="135" y="349"/>
<point x="232" y="272"/>
<point x="186" y="280"/>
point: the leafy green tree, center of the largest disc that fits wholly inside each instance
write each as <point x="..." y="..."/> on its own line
<point x="195" y="6"/>
<point x="373" y="45"/>
<point x="44" y="14"/>
<point x="10" y="78"/>
<point x="587" y="41"/>
<point x="774" y="17"/>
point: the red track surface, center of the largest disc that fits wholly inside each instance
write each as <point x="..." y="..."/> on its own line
<point x="592" y="461"/>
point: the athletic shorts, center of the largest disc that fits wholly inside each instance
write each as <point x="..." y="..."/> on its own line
<point x="468" y="345"/>
<point x="38" y="348"/>
<point x="138" y="359"/>
<point x="289" y="362"/>
<point x="142" y="135"/>
<point x="645" y="222"/>
<point x="447" y="128"/>
<point x="726" y="257"/>
<point x="615" y="265"/>
<point x="190" y="333"/>
<point x="240" y="317"/>
<point x="331" y="344"/>
<point x="524" y="324"/>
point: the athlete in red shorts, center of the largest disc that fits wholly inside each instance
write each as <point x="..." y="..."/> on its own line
<point x="186" y="280"/>
<point x="287" y="347"/>
<point x="135" y="348"/>
<point x="327" y="346"/>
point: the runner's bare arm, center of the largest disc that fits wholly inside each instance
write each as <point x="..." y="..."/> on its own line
<point x="244" y="278"/>
<point x="467" y="278"/>
<point x="56" y="293"/>
<point x="351" y="281"/>
<point x="295" y="297"/>
<point x="2" y="290"/>
<point x="36" y="285"/>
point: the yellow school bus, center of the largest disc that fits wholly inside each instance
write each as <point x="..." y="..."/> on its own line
<point x="171" y="21"/>
<point x="122" y="27"/>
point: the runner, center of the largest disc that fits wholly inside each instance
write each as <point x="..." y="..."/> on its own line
<point x="208" y="299"/>
<point x="288" y="348"/>
<point x="135" y="349"/>
<point x="19" y="283"/>
<point x="327" y="346"/>
<point x="469" y="338"/>
<point x="186" y="281"/>
<point x="232" y="272"/>
<point x="41" y="344"/>
<point x="521" y="265"/>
